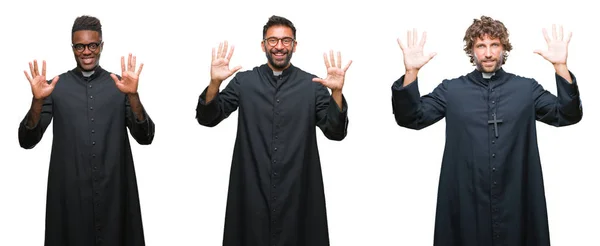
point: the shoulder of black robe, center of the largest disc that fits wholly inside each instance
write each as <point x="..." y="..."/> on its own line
<point x="562" y="109"/>
<point x="330" y="118"/>
<point x="30" y="137"/>
<point x="415" y="111"/>
<point x="224" y="103"/>
<point x="227" y="99"/>
<point x="143" y="132"/>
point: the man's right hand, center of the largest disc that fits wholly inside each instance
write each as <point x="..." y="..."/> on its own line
<point x="414" y="58"/>
<point x="39" y="86"/>
<point x="219" y="69"/>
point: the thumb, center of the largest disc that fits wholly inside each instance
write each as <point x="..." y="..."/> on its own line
<point x="54" y="80"/>
<point x="431" y="55"/>
<point x="400" y="44"/>
<point x="114" y="77"/>
<point x="235" y="69"/>
<point x="539" y="52"/>
<point x="319" y="80"/>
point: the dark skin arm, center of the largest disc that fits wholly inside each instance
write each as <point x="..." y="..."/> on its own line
<point x="40" y="89"/>
<point x="128" y="84"/>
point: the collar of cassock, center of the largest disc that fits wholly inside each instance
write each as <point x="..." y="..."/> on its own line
<point x="284" y="73"/>
<point x="86" y="75"/>
<point x="481" y="76"/>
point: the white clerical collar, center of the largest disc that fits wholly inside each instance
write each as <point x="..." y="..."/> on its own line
<point x="487" y="75"/>
<point x="87" y="73"/>
<point x="277" y="73"/>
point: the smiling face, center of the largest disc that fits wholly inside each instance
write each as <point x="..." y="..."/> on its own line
<point x="488" y="54"/>
<point x="279" y="45"/>
<point x="87" y="47"/>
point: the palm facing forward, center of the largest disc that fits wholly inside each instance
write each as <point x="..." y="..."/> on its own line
<point x="414" y="58"/>
<point x="219" y="67"/>
<point x="335" y="73"/>
<point x="39" y="86"/>
<point x="129" y="77"/>
<point x="557" y="46"/>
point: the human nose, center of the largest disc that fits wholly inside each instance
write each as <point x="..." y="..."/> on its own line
<point x="279" y="44"/>
<point x="488" y="52"/>
<point x="86" y="50"/>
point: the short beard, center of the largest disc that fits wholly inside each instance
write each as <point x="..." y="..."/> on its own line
<point x="272" y="61"/>
<point x="499" y="64"/>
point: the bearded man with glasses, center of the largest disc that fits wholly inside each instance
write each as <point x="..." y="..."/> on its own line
<point x="276" y="194"/>
<point x="92" y="196"/>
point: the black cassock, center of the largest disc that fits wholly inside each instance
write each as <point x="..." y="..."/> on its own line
<point x="491" y="189"/>
<point x="92" y="196"/>
<point x="276" y="194"/>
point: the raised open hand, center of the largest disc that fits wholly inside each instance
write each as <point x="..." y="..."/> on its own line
<point x="39" y="85"/>
<point x="335" y="73"/>
<point x="219" y="67"/>
<point x="414" y="58"/>
<point x="557" y="46"/>
<point x="129" y="77"/>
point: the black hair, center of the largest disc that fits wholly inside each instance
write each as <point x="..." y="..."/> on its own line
<point x="88" y="23"/>
<point x="278" y="21"/>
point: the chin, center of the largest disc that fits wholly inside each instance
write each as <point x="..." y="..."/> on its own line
<point x="87" y="67"/>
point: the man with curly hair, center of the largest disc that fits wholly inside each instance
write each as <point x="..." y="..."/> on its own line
<point x="92" y="196"/>
<point x="491" y="189"/>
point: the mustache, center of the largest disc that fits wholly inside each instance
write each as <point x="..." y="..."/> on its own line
<point x="285" y="51"/>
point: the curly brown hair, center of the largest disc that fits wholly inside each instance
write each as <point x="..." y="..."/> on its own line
<point x="486" y="26"/>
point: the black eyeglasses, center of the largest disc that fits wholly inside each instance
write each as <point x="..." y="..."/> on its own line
<point x="273" y="41"/>
<point x="90" y="46"/>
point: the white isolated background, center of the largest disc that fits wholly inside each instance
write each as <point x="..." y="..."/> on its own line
<point x="381" y="181"/>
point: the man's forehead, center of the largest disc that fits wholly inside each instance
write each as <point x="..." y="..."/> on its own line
<point x="279" y="31"/>
<point x="86" y="35"/>
<point x="486" y="38"/>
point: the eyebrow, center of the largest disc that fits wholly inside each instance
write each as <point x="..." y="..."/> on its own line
<point x="494" y="42"/>
<point x="279" y="37"/>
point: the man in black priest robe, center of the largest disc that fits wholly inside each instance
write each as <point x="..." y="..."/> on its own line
<point x="491" y="189"/>
<point x="276" y="194"/>
<point x="92" y="195"/>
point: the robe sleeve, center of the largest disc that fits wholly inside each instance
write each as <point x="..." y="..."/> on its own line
<point x="414" y="111"/>
<point x="562" y="110"/>
<point x="331" y="119"/>
<point x="141" y="131"/>
<point x="30" y="137"/>
<point x="220" y="107"/>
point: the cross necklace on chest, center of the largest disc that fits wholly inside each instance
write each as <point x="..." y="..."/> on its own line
<point x="494" y="121"/>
